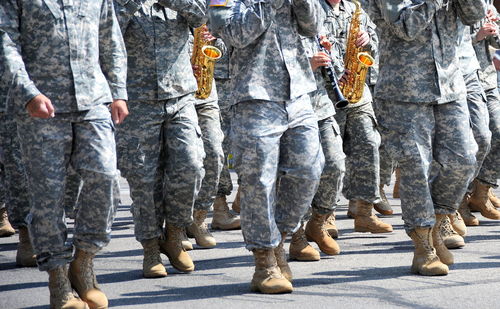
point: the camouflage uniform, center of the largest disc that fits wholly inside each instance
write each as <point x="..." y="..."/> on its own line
<point x="424" y="115"/>
<point x="74" y="54"/>
<point x="274" y="131"/>
<point x="325" y="199"/>
<point x="357" y="122"/>
<point x="223" y="82"/>
<point x="209" y="120"/>
<point x="387" y="166"/>
<point x="490" y="170"/>
<point x="160" y="146"/>
<point x="476" y="98"/>
<point x="13" y="178"/>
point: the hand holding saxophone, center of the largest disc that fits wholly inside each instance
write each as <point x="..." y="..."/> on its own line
<point x="363" y="39"/>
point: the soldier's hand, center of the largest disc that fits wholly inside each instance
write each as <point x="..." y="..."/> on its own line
<point x="343" y="80"/>
<point x="363" y="39"/>
<point x="486" y="30"/>
<point x="491" y="14"/>
<point x="325" y="42"/>
<point x="119" y="111"/>
<point x="320" y="59"/>
<point x="40" y="107"/>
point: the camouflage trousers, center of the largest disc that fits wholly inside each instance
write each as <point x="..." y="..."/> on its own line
<point x="85" y="141"/>
<point x="418" y="134"/>
<point x="361" y="142"/>
<point x="72" y="192"/>
<point x="15" y="184"/>
<point x="479" y="119"/>
<point x="212" y="136"/>
<point x="279" y="163"/>
<point x="490" y="170"/>
<point x="325" y="199"/>
<point x="387" y="165"/>
<point x="224" y="93"/>
<point x="160" y="153"/>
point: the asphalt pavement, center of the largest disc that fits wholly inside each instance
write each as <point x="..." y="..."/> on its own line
<point x="372" y="271"/>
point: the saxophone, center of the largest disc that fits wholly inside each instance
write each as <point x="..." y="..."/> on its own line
<point x="203" y="57"/>
<point x="356" y="61"/>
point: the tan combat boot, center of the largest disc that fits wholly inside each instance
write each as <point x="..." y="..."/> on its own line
<point x="300" y="249"/>
<point x="383" y="207"/>
<point x="331" y="227"/>
<point x="268" y="278"/>
<point x="25" y="256"/>
<point x="152" y="266"/>
<point x="6" y="229"/>
<point x="442" y="252"/>
<point x="61" y="294"/>
<point x="223" y="219"/>
<point x="458" y="223"/>
<point x="199" y="230"/>
<point x="451" y="239"/>
<point x="316" y="231"/>
<point x="351" y="210"/>
<point x="236" y="203"/>
<point x="480" y="201"/>
<point x="465" y="213"/>
<point x="83" y="280"/>
<point x="493" y="198"/>
<point x="395" y="190"/>
<point x="186" y="244"/>
<point x="365" y="221"/>
<point x="172" y="247"/>
<point x="280" y="254"/>
<point x="425" y="260"/>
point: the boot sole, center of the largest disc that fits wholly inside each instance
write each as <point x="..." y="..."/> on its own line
<point x="225" y="228"/>
<point x="366" y="230"/>
<point x="383" y="211"/>
<point x="455" y="244"/>
<point x="305" y="258"/>
<point x="281" y="290"/>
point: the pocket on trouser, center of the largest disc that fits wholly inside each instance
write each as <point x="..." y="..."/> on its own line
<point x="129" y="153"/>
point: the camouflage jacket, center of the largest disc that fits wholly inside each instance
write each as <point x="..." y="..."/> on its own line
<point x="418" y="48"/>
<point x="71" y="51"/>
<point x="267" y="62"/>
<point x="466" y="53"/>
<point x="156" y="33"/>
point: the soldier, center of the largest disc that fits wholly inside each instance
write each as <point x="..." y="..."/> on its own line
<point x="478" y="109"/>
<point x="485" y="35"/>
<point x="68" y="63"/>
<point x="160" y="151"/>
<point x="274" y="131"/>
<point x="209" y="120"/>
<point x="424" y="116"/>
<point x="357" y="122"/>
<point x="321" y="226"/>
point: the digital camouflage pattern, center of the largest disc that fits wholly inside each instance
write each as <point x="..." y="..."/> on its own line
<point x="159" y="155"/>
<point x="357" y="123"/>
<point x="264" y="63"/>
<point x="160" y="150"/>
<point x="274" y="131"/>
<point x="425" y="56"/>
<point x="325" y="199"/>
<point x="279" y="162"/>
<point x="74" y="54"/>
<point x="476" y="98"/>
<point x="156" y="33"/>
<point x="224" y="93"/>
<point x="86" y="141"/>
<point x="490" y="170"/>
<point x="14" y="177"/>
<point x="419" y="43"/>
<point x="70" y="83"/>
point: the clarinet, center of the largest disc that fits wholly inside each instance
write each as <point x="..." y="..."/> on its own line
<point x="340" y="101"/>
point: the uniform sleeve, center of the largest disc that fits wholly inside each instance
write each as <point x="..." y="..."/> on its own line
<point x="112" y="54"/>
<point x="242" y="24"/>
<point x="125" y="9"/>
<point x="370" y="28"/>
<point x="194" y="11"/>
<point x="309" y="15"/>
<point x="406" y="20"/>
<point x="10" y="52"/>
<point x="471" y="12"/>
